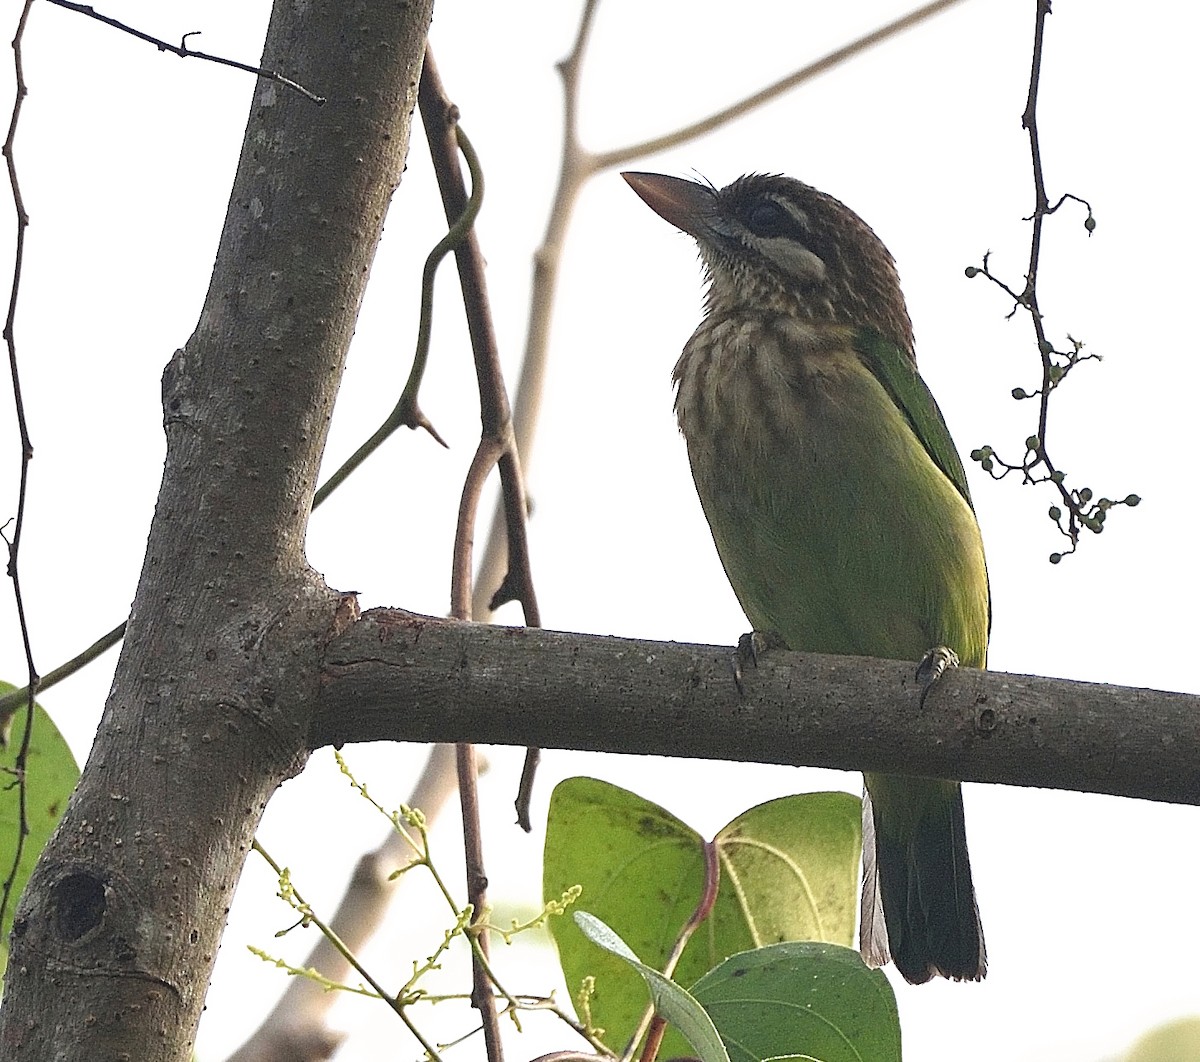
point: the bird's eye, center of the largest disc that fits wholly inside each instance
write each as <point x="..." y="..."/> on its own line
<point x="767" y="218"/>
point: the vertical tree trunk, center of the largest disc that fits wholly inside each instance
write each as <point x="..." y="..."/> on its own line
<point x="115" y="937"/>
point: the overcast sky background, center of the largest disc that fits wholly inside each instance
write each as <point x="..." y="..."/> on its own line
<point x="126" y="156"/>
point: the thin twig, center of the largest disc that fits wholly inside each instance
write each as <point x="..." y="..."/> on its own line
<point x="407" y="411"/>
<point x="482" y="998"/>
<point x="497" y="441"/>
<point x="620" y="156"/>
<point x="440" y="119"/>
<point x="446" y="139"/>
<point x="1037" y="466"/>
<point x="14" y="544"/>
<point x="10" y="702"/>
<point x="181" y="49"/>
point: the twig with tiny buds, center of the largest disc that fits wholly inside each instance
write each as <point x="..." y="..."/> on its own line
<point x="1080" y="508"/>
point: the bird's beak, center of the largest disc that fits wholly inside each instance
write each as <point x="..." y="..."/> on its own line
<point x="687" y="205"/>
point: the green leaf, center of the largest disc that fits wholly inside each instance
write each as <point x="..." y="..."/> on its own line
<point x="671" y="1002"/>
<point x="788" y="870"/>
<point x="641" y="870"/>
<point x="50" y="776"/>
<point x="802" y="999"/>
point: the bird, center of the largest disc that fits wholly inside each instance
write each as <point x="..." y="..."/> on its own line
<point x="838" y="504"/>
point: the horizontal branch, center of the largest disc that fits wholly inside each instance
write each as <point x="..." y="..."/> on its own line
<point x="398" y="676"/>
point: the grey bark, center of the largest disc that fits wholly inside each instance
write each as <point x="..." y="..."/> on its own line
<point x="210" y="708"/>
<point x="398" y="675"/>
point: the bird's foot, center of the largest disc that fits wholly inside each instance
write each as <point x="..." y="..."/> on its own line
<point x="749" y="648"/>
<point x="934" y="664"/>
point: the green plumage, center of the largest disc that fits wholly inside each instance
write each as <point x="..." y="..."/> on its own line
<point x="837" y="502"/>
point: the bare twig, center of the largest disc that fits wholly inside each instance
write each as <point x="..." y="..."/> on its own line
<point x="1037" y="466"/>
<point x="181" y="49"/>
<point x="10" y="702"/>
<point x="14" y="543"/>
<point x="620" y="156"/>
<point x="446" y="139"/>
<point x="568" y="1056"/>
<point x="482" y="998"/>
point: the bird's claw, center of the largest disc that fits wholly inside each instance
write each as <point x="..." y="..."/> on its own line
<point x="749" y="648"/>
<point x="934" y="664"/>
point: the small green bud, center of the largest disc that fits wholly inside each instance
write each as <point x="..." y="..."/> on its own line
<point x="1019" y="392"/>
<point x="1046" y="347"/>
<point x="1055" y="558"/>
<point x="1104" y="504"/>
<point x="1085" y="494"/>
<point x="1055" y="513"/>
<point x="1131" y="500"/>
<point x="1057" y="477"/>
<point x="1056" y="373"/>
<point x="986" y="464"/>
<point x="1032" y="443"/>
<point x="971" y="272"/>
<point x="1090" y="224"/>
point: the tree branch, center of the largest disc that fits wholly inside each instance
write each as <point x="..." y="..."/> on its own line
<point x="398" y="676"/>
<point x="119" y="925"/>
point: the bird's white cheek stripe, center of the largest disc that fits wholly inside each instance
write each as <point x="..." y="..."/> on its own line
<point x="795" y="260"/>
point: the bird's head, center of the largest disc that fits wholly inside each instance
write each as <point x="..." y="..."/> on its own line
<point x="773" y="245"/>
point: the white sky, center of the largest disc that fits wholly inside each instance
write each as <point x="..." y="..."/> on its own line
<point x="126" y="156"/>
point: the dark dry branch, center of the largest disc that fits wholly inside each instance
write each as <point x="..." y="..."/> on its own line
<point x="183" y="51"/>
<point x="26" y="449"/>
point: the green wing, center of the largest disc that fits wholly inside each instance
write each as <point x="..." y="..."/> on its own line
<point x="898" y="374"/>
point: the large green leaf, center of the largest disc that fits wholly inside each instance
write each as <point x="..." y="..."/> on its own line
<point x="50" y="776"/>
<point x="802" y="999"/>
<point x="641" y="870"/>
<point x="788" y="871"/>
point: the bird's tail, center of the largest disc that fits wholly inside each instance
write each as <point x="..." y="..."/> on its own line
<point x="918" y="903"/>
